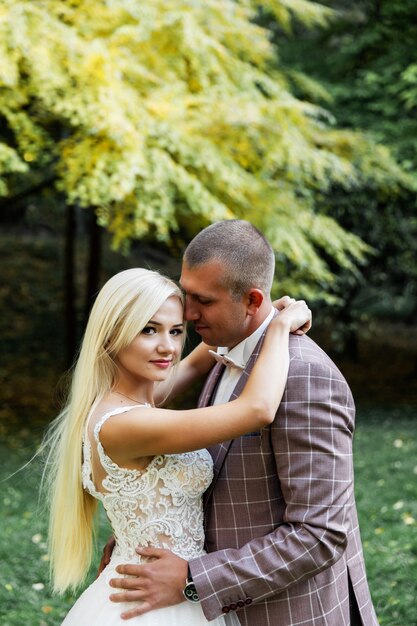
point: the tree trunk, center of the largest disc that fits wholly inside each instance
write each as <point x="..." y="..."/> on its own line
<point x="93" y="262"/>
<point x="69" y="286"/>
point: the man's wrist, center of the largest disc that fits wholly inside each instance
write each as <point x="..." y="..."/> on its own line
<point x="189" y="591"/>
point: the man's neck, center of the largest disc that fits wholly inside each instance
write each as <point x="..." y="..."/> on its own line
<point x="261" y="315"/>
<point x="255" y="322"/>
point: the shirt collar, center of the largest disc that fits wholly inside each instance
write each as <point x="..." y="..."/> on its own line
<point x="242" y="351"/>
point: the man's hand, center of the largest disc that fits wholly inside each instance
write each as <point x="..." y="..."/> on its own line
<point x="156" y="584"/>
<point x="107" y="552"/>
<point x="282" y="304"/>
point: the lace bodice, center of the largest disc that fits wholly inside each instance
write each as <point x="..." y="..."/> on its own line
<point x="160" y="506"/>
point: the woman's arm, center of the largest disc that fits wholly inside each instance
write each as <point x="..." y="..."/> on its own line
<point x="199" y="362"/>
<point x="148" y="432"/>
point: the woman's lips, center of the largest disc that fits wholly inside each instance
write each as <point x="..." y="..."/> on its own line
<point x="162" y="364"/>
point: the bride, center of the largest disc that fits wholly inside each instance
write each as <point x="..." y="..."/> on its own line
<point x="148" y="466"/>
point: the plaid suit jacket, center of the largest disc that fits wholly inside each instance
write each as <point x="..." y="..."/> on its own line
<point x="282" y="531"/>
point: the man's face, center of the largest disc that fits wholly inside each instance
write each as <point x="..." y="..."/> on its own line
<point x="217" y="317"/>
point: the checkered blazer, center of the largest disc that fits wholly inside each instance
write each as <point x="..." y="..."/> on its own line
<point x="282" y="530"/>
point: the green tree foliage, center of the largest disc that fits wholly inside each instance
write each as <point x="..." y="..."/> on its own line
<point x="367" y="61"/>
<point x="165" y="115"/>
<point x="376" y="62"/>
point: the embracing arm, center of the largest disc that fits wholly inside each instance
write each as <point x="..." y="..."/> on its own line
<point x="199" y="362"/>
<point x="311" y="441"/>
<point x="147" y="432"/>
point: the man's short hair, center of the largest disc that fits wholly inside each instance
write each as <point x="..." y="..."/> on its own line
<point x="246" y="255"/>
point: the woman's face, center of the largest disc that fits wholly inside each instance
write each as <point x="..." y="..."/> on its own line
<point x="152" y="353"/>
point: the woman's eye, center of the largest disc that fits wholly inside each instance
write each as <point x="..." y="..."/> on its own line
<point x="148" y="330"/>
<point x="176" y="332"/>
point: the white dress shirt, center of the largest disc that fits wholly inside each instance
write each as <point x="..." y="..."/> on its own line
<point x="240" y="355"/>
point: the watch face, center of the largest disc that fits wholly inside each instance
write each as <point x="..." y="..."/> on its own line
<point x="190" y="592"/>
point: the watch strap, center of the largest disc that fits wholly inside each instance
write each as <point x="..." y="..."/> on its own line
<point x="189" y="591"/>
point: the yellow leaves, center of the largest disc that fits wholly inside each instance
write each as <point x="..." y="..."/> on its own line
<point x="408" y="519"/>
<point x="151" y="111"/>
<point x="94" y="67"/>
<point x="47" y="609"/>
<point x="10" y="162"/>
<point x="31" y="140"/>
<point x="9" y="72"/>
<point x="98" y="171"/>
<point x="310" y="88"/>
<point x="162" y="109"/>
<point x="309" y="13"/>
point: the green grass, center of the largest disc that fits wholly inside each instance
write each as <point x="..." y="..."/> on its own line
<point x="386" y="488"/>
<point x="386" y="493"/>
<point x="25" y="597"/>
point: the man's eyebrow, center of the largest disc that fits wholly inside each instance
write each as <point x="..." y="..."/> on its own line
<point x="198" y="294"/>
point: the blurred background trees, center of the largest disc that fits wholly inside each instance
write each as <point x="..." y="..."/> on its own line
<point x="126" y="127"/>
<point x="366" y="65"/>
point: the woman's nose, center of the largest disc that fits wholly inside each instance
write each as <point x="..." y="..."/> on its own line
<point x="166" y="343"/>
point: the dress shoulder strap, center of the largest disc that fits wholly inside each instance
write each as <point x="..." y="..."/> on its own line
<point x="106" y="462"/>
<point x="118" y="411"/>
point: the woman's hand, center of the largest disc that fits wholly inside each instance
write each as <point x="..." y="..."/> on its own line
<point x="282" y="302"/>
<point x="294" y="313"/>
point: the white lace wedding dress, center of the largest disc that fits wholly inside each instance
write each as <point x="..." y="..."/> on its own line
<point x="161" y="507"/>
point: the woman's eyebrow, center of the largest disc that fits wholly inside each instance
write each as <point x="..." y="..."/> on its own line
<point x="159" y="323"/>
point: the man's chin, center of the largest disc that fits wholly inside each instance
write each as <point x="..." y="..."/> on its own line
<point x="204" y="333"/>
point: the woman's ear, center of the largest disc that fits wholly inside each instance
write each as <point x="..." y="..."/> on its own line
<point x="255" y="299"/>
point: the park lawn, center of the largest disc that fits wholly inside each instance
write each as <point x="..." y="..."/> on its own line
<point x="386" y="492"/>
<point x="25" y="596"/>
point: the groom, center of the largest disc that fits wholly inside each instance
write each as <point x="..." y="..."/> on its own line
<point x="281" y="525"/>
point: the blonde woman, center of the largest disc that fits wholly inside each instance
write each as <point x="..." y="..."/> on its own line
<point x="147" y="465"/>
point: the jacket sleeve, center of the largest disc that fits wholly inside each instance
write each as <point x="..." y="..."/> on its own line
<point x="311" y="440"/>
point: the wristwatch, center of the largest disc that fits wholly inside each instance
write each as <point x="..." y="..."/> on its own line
<point x="189" y="591"/>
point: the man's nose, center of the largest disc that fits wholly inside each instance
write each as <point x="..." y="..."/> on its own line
<point x="191" y="312"/>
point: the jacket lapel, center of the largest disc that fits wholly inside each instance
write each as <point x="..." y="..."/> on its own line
<point x="206" y="399"/>
<point x="219" y="452"/>
<point x="206" y="395"/>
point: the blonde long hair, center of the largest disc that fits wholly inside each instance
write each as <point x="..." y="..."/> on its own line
<point x="122" y="309"/>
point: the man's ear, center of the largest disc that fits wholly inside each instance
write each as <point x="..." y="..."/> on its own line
<point x="255" y="298"/>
